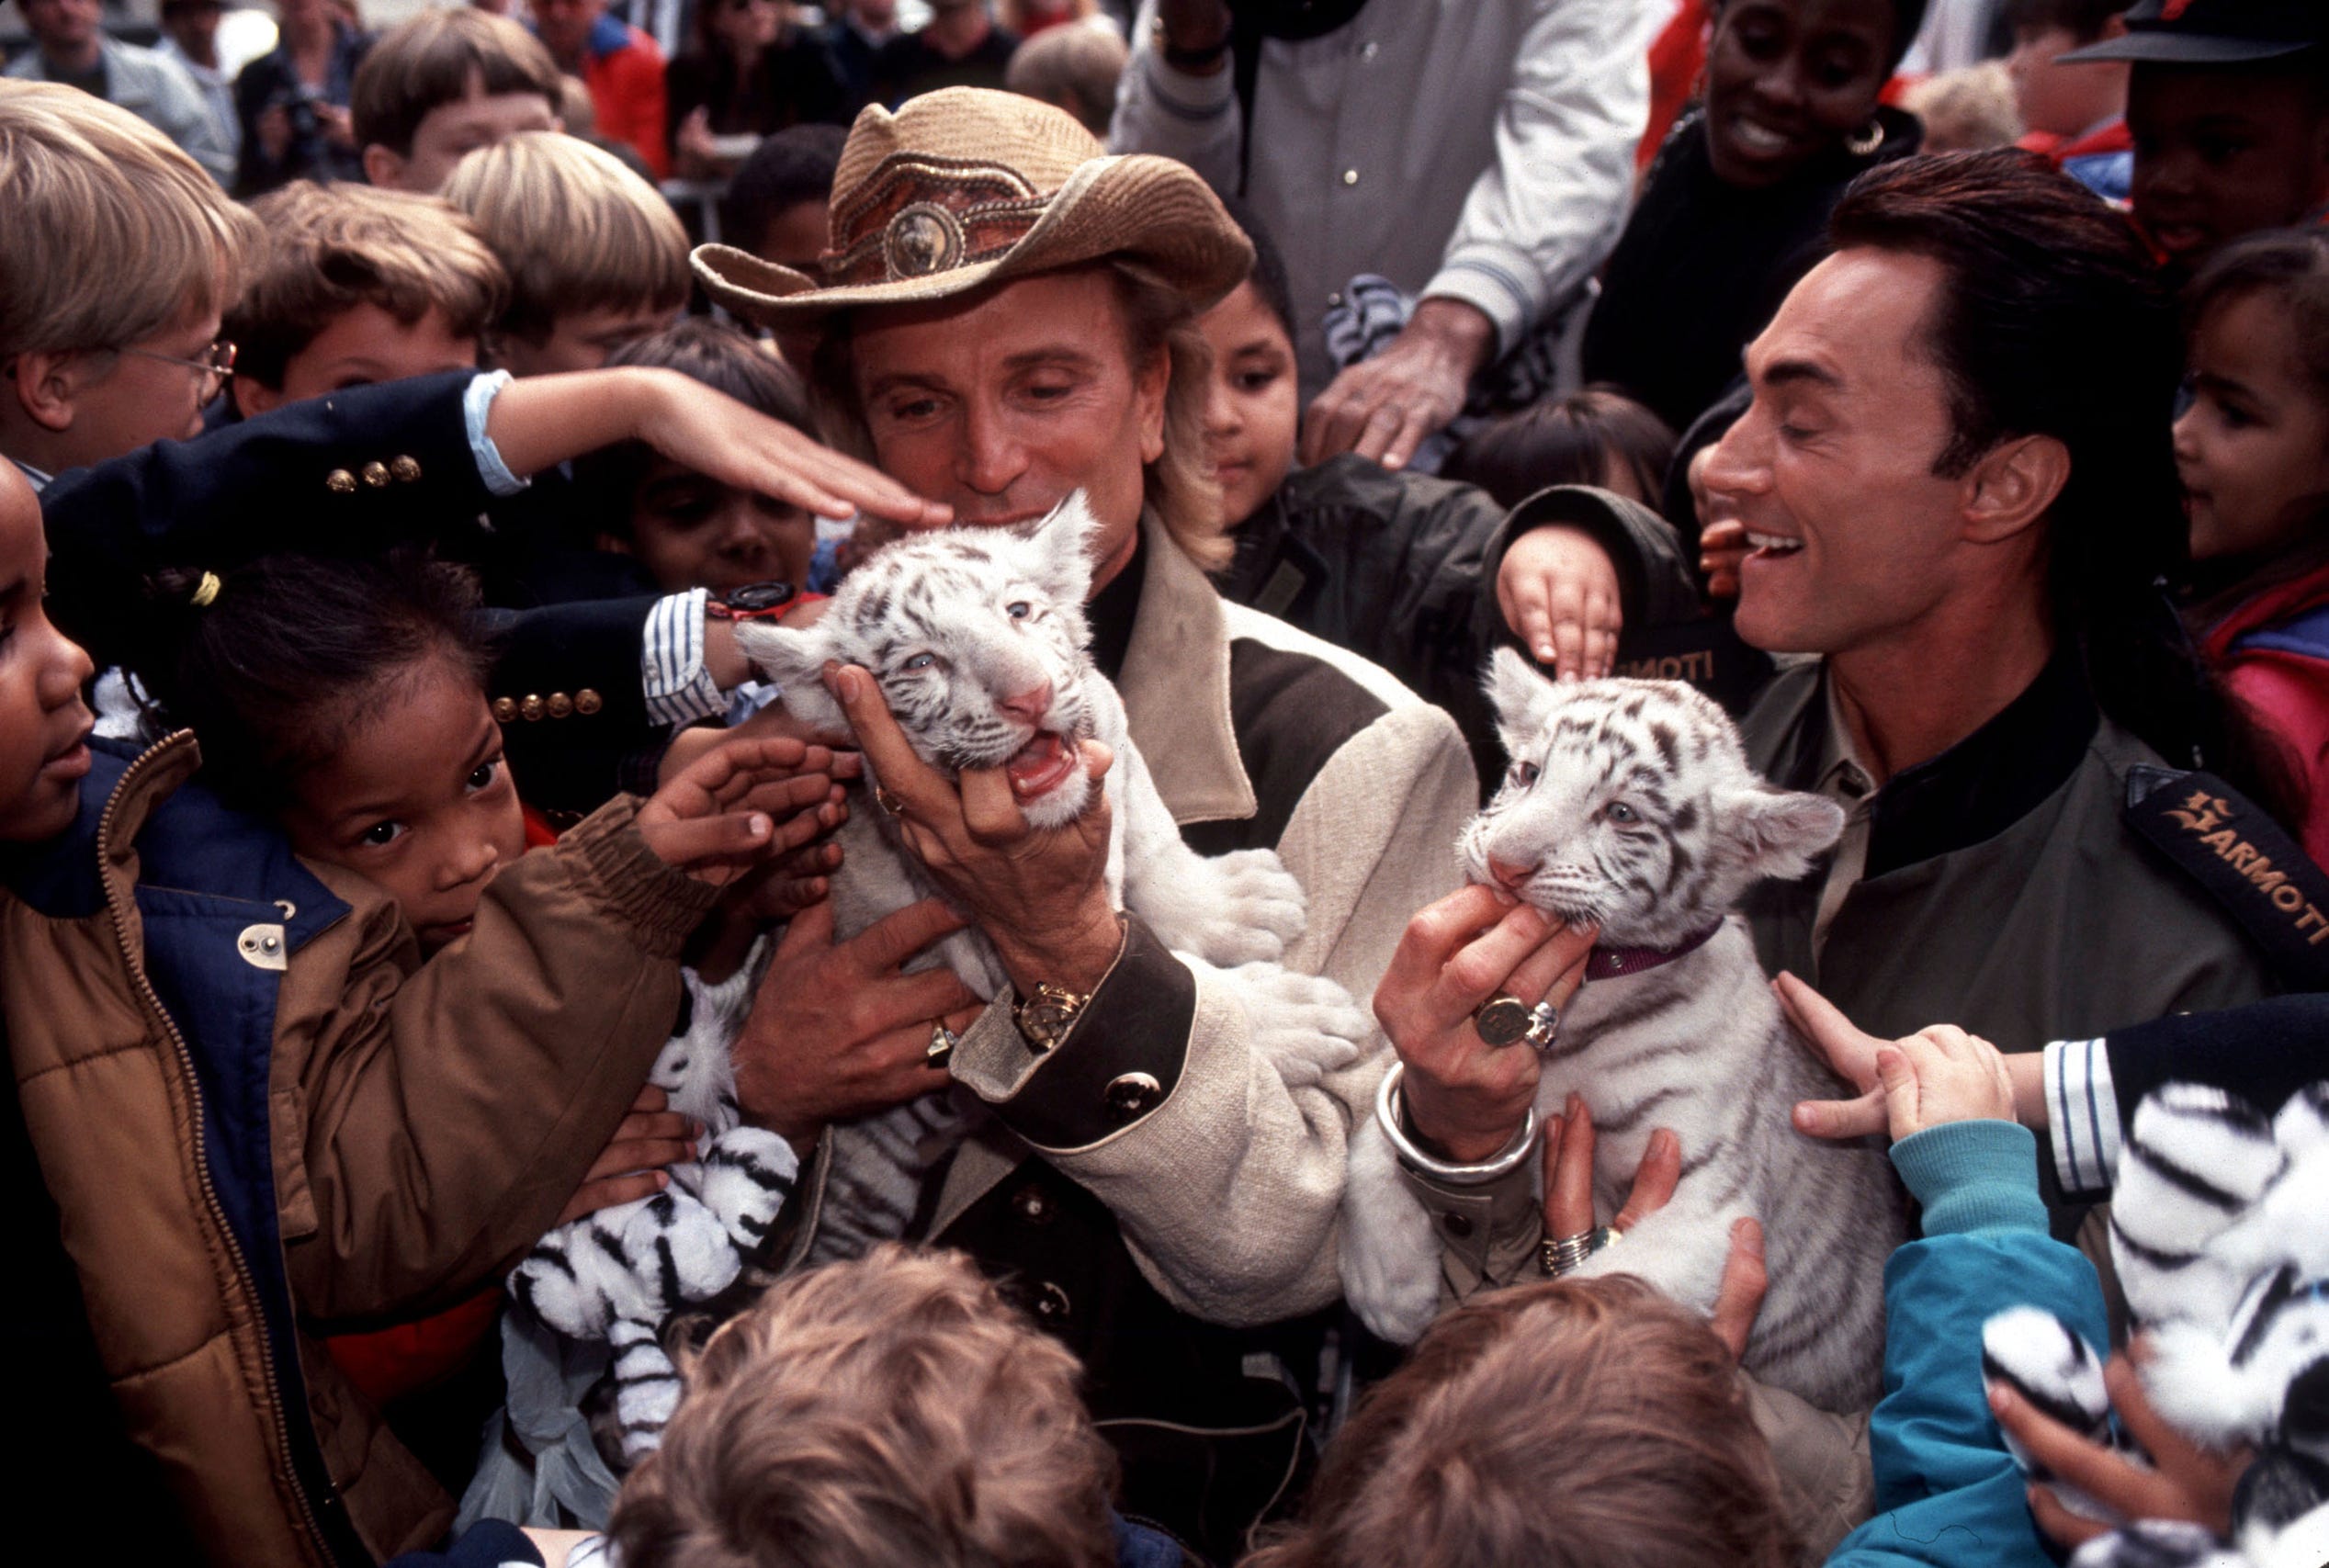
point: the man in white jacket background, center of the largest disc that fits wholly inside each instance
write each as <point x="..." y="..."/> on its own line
<point x="1477" y="154"/>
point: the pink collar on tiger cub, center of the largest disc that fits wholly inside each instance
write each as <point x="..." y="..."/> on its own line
<point x="1616" y="963"/>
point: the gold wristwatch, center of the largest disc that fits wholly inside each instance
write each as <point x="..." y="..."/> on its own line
<point x="1044" y="1017"/>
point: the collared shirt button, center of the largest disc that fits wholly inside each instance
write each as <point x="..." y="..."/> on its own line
<point x="1131" y="1096"/>
<point x="1335" y="298"/>
<point x="1456" y="1225"/>
<point x="1033" y="1206"/>
<point x="1350" y="176"/>
<point x="405" y="470"/>
<point x="532" y="708"/>
<point x="1052" y="1305"/>
<point x="587" y="701"/>
<point x="339" y="481"/>
<point x="1369" y="50"/>
<point x="505" y="710"/>
<point x="560" y="705"/>
<point x="376" y="474"/>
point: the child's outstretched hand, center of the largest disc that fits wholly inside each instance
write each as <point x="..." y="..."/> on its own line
<point x="741" y="804"/>
<point x="651" y="1136"/>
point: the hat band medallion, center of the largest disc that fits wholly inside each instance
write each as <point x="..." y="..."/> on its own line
<point x="921" y="239"/>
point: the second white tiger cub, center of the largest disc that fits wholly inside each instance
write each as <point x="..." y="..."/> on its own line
<point x="1630" y="804"/>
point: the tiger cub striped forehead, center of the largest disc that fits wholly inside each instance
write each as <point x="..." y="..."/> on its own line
<point x="919" y="588"/>
<point x="962" y="629"/>
<point x="1631" y="804"/>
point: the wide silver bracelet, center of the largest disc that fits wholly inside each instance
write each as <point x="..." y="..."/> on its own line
<point x="1390" y="1110"/>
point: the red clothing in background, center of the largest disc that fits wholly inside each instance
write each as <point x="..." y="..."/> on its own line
<point x="2273" y="652"/>
<point x="624" y="70"/>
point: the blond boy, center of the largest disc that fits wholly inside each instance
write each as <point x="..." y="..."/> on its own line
<point x="355" y="285"/>
<point x="443" y="84"/>
<point x="120" y="254"/>
<point x="892" y="1411"/>
<point x="595" y="255"/>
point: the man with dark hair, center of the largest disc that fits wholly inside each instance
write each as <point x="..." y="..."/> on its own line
<point x="2229" y="106"/>
<point x="1956" y="480"/>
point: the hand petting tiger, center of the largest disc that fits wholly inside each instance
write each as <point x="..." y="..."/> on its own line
<point x="1629" y="805"/>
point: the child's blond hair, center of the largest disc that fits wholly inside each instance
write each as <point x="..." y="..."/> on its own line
<point x="1561" y="1424"/>
<point x="112" y="235"/>
<point x="577" y="231"/>
<point x="331" y="248"/>
<point x="438" y="57"/>
<point x="892" y="1411"/>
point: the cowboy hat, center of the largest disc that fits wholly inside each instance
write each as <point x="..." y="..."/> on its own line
<point x="964" y="187"/>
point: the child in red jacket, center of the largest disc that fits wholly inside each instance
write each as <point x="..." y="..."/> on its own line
<point x="2253" y="451"/>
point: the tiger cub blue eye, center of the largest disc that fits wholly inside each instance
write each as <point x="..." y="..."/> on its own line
<point x="1618" y="811"/>
<point x="1525" y="773"/>
<point x="1019" y="611"/>
<point x="921" y="661"/>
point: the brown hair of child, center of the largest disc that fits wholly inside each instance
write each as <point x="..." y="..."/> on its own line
<point x="577" y="231"/>
<point x="892" y="1411"/>
<point x="436" y="58"/>
<point x="1596" y="435"/>
<point x="331" y="248"/>
<point x="1564" y="1424"/>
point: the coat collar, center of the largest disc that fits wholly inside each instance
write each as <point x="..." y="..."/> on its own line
<point x="1175" y="686"/>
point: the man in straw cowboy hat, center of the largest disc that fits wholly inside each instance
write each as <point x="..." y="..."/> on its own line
<point x="1005" y="316"/>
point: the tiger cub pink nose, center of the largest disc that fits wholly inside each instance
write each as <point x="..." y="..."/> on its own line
<point x="1030" y="705"/>
<point x="1515" y="877"/>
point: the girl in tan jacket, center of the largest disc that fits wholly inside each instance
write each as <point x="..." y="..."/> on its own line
<point x="255" y="1111"/>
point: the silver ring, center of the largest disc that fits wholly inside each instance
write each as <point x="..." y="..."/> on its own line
<point x="1544" y="1026"/>
<point x="889" y="802"/>
<point x="1560" y="1255"/>
<point x="941" y="1049"/>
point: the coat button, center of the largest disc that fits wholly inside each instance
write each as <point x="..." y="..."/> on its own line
<point x="405" y="470"/>
<point x="560" y="705"/>
<point x="505" y="710"/>
<point x="531" y="708"/>
<point x="587" y="701"/>
<point x="1052" y="1305"/>
<point x="1034" y="1206"/>
<point x="1456" y="1225"/>
<point x="376" y="474"/>
<point x="1350" y="176"/>
<point x="1131" y="1096"/>
<point x="339" y="481"/>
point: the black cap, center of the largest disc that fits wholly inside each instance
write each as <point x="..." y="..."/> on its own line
<point x="2214" y="32"/>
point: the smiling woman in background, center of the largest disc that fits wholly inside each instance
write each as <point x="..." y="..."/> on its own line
<point x="1734" y="210"/>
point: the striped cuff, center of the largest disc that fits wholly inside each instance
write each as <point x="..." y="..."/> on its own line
<point x="679" y="690"/>
<point x="476" y="407"/>
<point x="2082" y="1114"/>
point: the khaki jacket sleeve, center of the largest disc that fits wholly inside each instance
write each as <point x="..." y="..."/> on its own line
<point x="1228" y="1183"/>
<point x="432" y="1119"/>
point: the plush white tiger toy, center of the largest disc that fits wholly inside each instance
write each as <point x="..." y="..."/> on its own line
<point x="1631" y="804"/>
<point x="2220" y="1236"/>
<point x="618" y="1274"/>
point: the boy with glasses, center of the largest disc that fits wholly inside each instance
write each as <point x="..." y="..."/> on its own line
<point x="98" y="201"/>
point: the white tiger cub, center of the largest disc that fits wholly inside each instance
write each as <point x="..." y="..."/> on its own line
<point x="1631" y="804"/>
<point x="977" y="637"/>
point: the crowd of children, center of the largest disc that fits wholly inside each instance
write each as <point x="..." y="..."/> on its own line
<point x="378" y="769"/>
